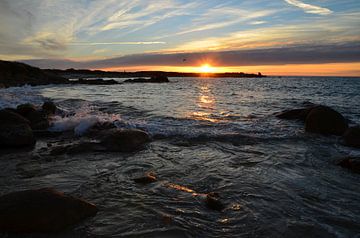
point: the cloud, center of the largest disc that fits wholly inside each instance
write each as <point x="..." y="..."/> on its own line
<point x="119" y="43"/>
<point x="299" y="54"/>
<point x="308" y="8"/>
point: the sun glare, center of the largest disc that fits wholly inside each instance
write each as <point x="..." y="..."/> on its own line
<point x="206" y="68"/>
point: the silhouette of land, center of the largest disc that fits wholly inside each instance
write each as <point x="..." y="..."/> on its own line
<point x="83" y="73"/>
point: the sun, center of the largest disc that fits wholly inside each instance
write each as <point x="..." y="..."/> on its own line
<point x="206" y="68"/>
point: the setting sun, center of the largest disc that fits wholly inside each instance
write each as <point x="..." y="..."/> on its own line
<point x="206" y="68"/>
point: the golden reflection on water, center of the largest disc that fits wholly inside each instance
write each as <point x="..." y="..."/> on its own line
<point x="206" y="103"/>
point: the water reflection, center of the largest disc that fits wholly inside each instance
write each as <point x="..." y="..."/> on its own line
<point x="206" y="105"/>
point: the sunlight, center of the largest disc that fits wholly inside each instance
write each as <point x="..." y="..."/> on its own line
<point x="206" y="68"/>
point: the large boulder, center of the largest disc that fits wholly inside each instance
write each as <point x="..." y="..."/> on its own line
<point x="294" y="114"/>
<point x="9" y="116"/>
<point x="38" y="119"/>
<point x="42" y="210"/>
<point x="16" y="135"/>
<point x="352" y="137"/>
<point x="15" y="130"/>
<point x="126" y="140"/>
<point x="324" y="120"/>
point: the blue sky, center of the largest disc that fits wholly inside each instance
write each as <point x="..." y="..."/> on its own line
<point x="88" y="30"/>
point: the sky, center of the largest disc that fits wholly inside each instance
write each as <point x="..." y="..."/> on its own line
<point x="275" y="37"/>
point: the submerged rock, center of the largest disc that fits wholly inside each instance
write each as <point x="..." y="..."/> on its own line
<point x="351" y="163"/>
<point x="126" y="140"/>
<point x="42" y="210"/>
<point x="147" y="178"/>
<point x="352" y="137"/>
<point x="213" y="201"/>
<point x="15" y="130"/>
<point x="324" y="120"/>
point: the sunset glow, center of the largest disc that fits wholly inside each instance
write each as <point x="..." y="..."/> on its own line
<point x="279" y="36"/>
<point x="206" y="68"/>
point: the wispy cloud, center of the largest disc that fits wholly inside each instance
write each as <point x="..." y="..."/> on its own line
<point x="308" y="8"/>
<point x="119" y="43"/>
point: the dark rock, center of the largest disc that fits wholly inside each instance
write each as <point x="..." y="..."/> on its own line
<point x="352" y="137"/>
<point x="295" y="114"/>
<point x="25" y="109"/>
<point x="213" y="201"/>
<point x="351" y="163"/>
<point x="49" y="108"/>
<point x="324" y="120"/>
<point x="15" y="130"/>
<point x="38" y="120"/>
<point x="41" y="211"/>
<point x="147" y="178"/>
<point x="9" y="116"/>
<point x="95" y="81"/>
<point x="153" y="79"/>
<point x="126" y="140"/>
<point x="17" y="74"/>
<point x="16" y="135"/>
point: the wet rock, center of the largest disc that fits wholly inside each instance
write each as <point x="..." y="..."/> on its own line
<point x="146" y="179"/>
<point x="49" y="108"/>
<point x="213" y="201"/>
<point x="16" y="135"/>
<point x="352" y="137"/>
<point x="25" y="109"/>
<point x="295" y="114"/>
<point x="324" y="120"/>
<point x="43" y="210"/>
<point x="15" y="130"/>
<point x="126" y="140"/>
<point x="153" y="79"/>
<point x="351" y="163"/>
<point x="95" y="81"/>
<point x="9" y="116"/>
<point x="38" y="120"/>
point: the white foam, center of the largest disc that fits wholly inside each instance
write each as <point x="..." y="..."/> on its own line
<point x="13" y="96"/>
<point x="82" y="120"/>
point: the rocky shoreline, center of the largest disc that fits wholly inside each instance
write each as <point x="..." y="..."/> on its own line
<point x="23" y="126"/>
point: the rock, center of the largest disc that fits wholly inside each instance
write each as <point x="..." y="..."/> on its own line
<point x="95" y="81"/>
<point x="42" y="210"/>
<point x="16" y="135"/>
<point x="351" y="163"/>
<point x="25" y="109"/>
<point x="9" y="116"/>
<point x="126" y="140"/>
<point x="147" y="178"/>
<point x="153" y="79"/>
<point x="38" y="119"/>
<point x="49" y="108"/>
<point x="15" y="130"/>
<point x="295" y="114"/>
<point x="17" y="74"/>
<point x="352" y="137"/>
<point x="324" y="120"/>
<point x="213" y="201"/>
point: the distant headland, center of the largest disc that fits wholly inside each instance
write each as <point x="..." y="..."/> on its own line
<point x="18" y="74"/>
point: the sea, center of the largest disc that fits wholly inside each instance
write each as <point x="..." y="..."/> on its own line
<point x="208" y="135"/>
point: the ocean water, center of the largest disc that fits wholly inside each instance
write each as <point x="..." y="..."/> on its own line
<point x="209" y="135"/>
